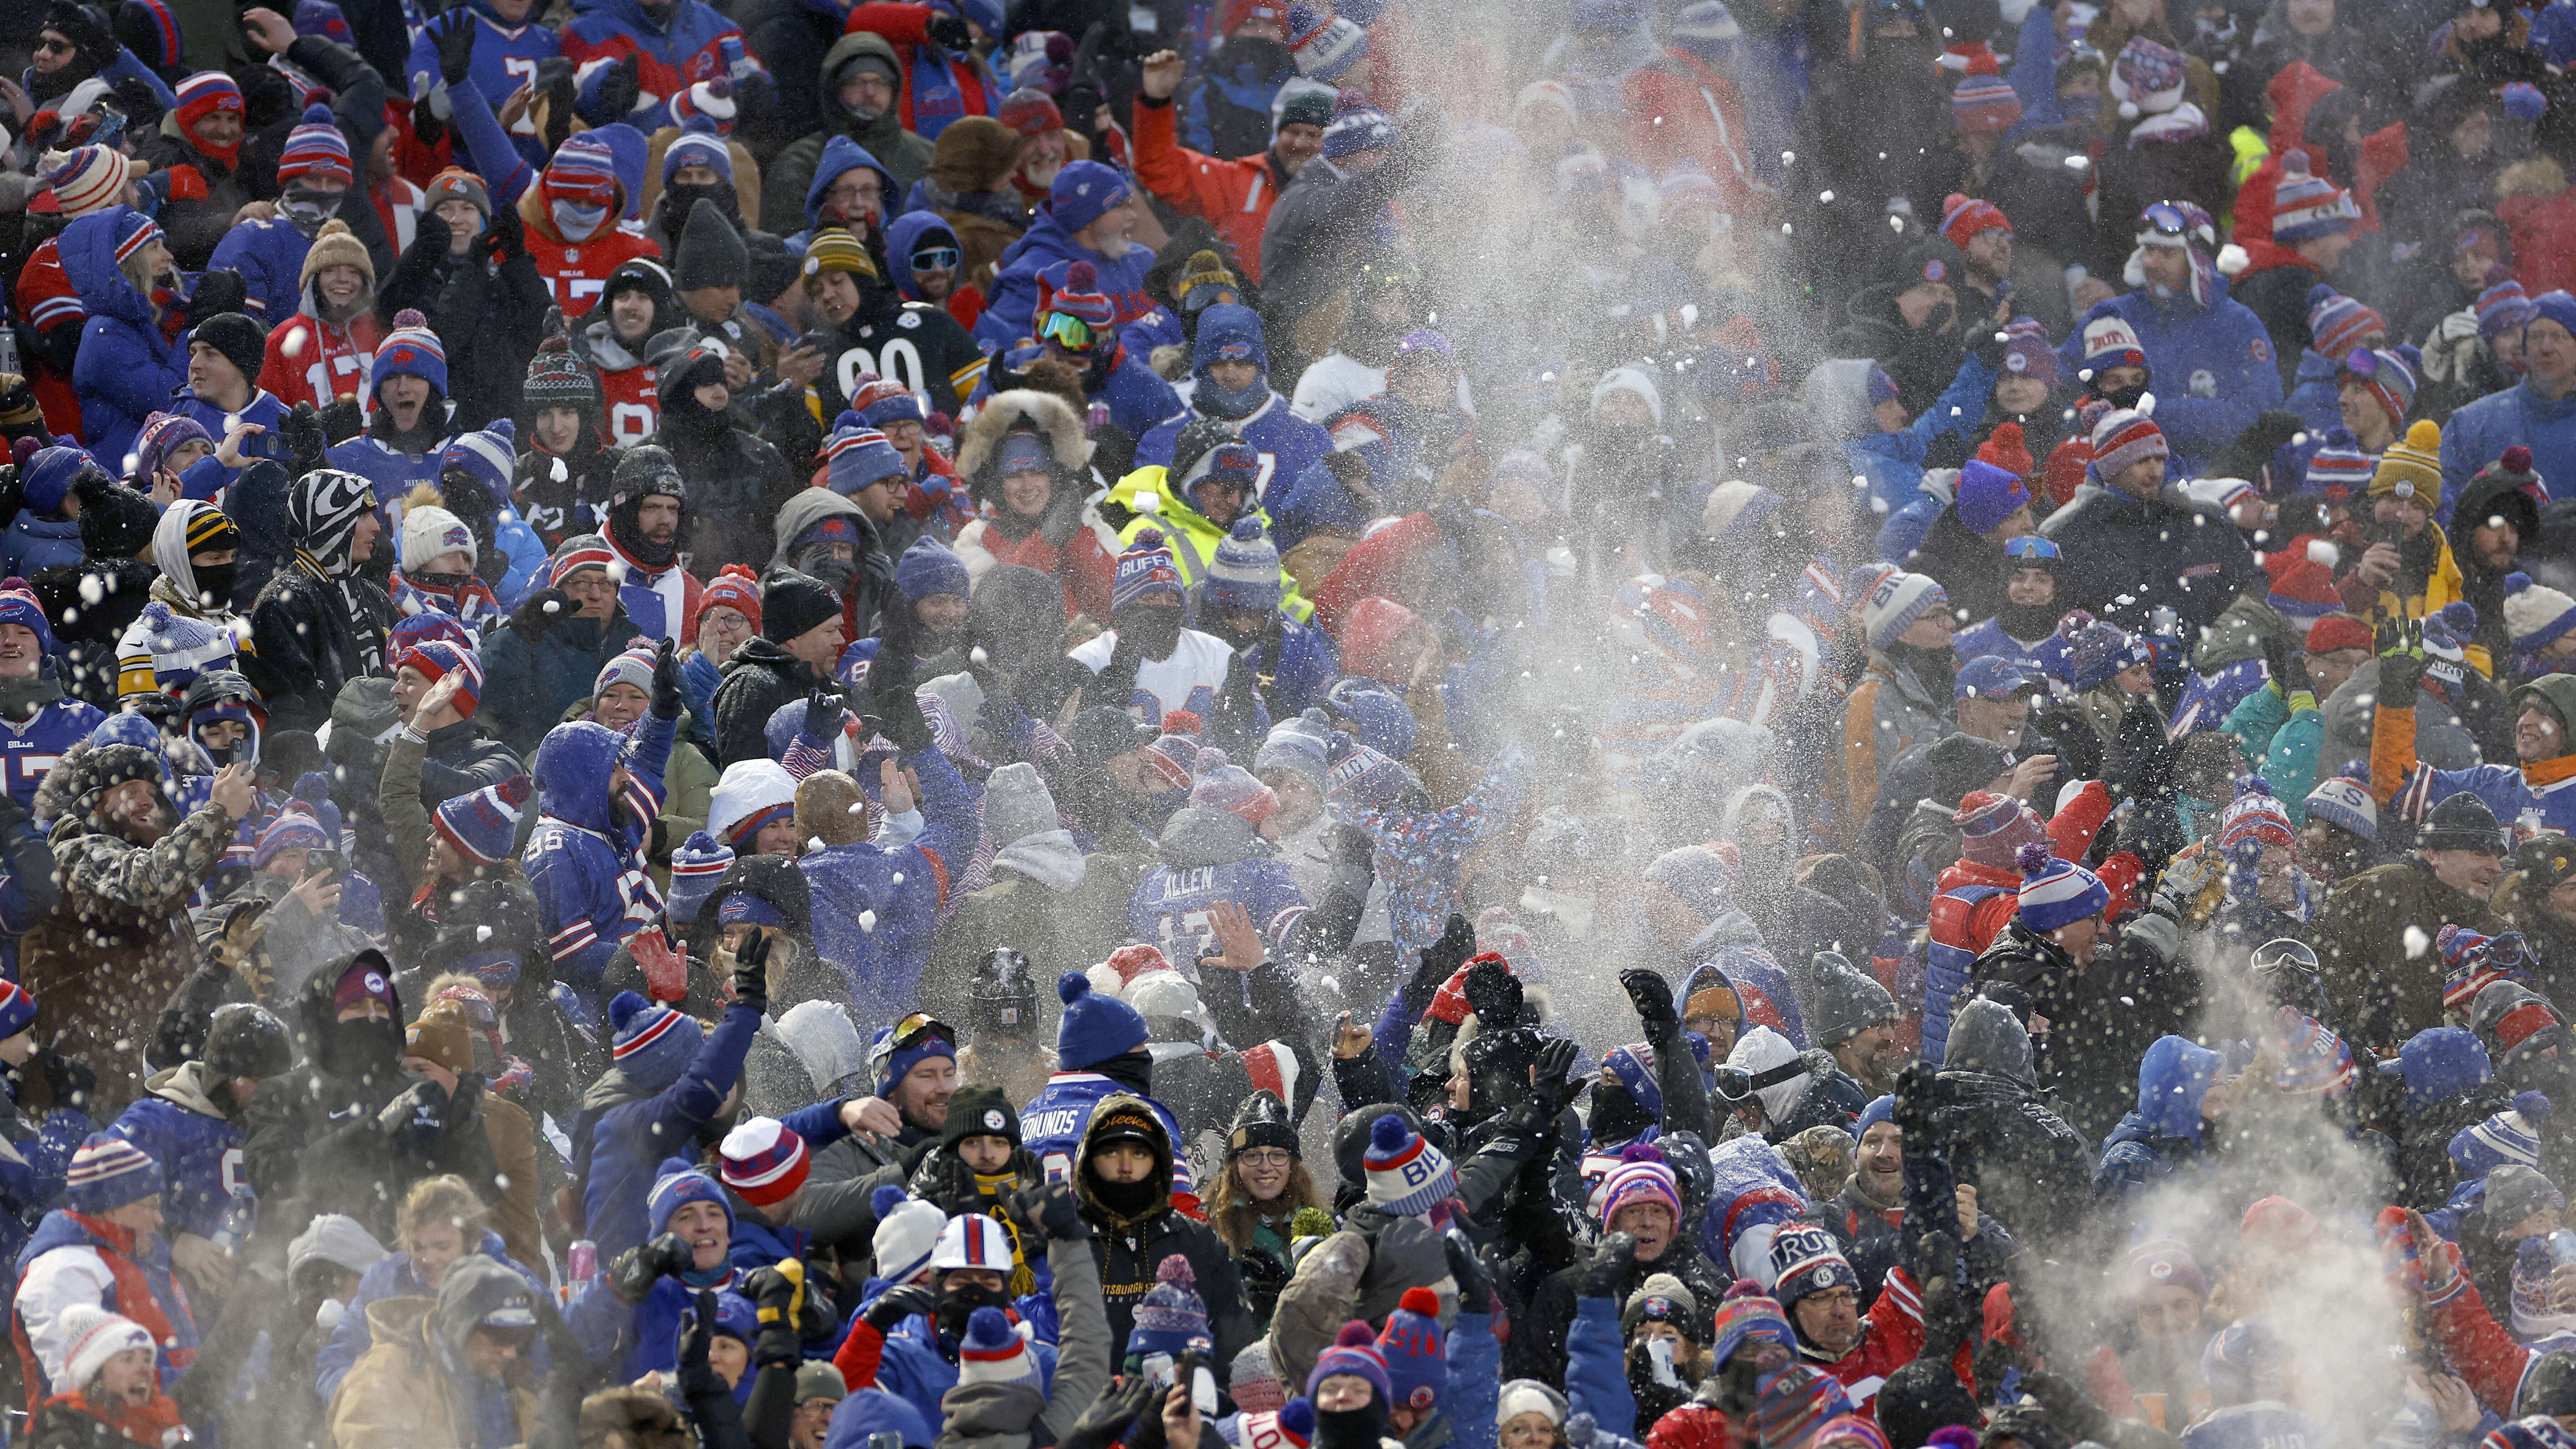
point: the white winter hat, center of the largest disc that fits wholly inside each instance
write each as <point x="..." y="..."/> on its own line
<point x="907" y="1233"/>
<point x="429" y="531"/>
<point x="747" y="795"/>
<point x="96" y="1336"/>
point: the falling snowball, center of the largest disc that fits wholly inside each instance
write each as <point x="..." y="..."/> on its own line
<point x="977" y="654"/>
<point x="2417" y="943"/>
<point x="482" y="933"/>
<point x="553" y="607"/>
<point x="898" y="877"/>
<point x="868" y="921"/>
<point x="294" y="346"/>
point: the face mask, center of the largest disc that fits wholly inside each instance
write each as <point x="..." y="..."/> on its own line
<point x="832" y="571"/>
<point x="1218" y="402"/>
<point x="685" y="197"/>
<point x="215" y="581"/>
<point x="2080" y="108"/>
<point x="958" y="1302"/>
<point x="307" y="210"/>
<point x="2126" y="397"/>
<point x="577" y="222"/>
<point x="1156" y="630"/>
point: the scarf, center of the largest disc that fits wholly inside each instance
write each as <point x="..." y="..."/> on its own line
<point x="467" y="598"/>
<point x="134" y="1296"/>
<point x="2549" y="772"/>
<point x="2184" y="122"/>
<point x="655" y="598"/>
<point x="149" y="1423"/>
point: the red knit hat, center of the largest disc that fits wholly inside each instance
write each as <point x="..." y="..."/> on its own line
<point x="1963" y="217"/>
<point x="2007" y="451"/>
<point x="736" y="588"/>
<point x="2338" y="631"/>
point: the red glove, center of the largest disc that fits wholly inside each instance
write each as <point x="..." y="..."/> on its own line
<point x="666" y="973"/>
<point x="187" y="184"/>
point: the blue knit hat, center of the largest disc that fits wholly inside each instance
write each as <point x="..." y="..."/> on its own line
<point x="931" y="567"/>
<point x="1417" y="1365"/>
<point x="1988" y="495"/>
<point x="1094" y="1027"/>
<point x="1634" y="1066"/>
<point x="1229" y="332"/>
<point x="698" y="147"/>
<point x="47" y="478"/>
<point x="653" y="1043"/>
<point x="410" y="350"/>
<point x="858" y="456"/>
<point x="107" y="1173"/>
<point x="2057" y="893"/>
<point x="487" y="456"/>
<point x="1356" y="126"/>
<point x="17" y="1009"/>
<point x="676" y="1184"/>
<point x="484" y="823"/>
<point x="894" y="1063"/>
<point x="737" y="1318"/>
<point x="1245" y="576"/>
<point x="1880" y="1109"/>
<point x="695" y="868"/>
<point x="1082" y="191"/>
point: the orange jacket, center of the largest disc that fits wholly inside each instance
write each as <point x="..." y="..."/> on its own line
<point x="1235" y="196"/>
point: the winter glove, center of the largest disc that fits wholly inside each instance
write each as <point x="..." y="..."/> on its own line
<point x="667" y="695"/>
<point x="420" y="1111"/>
<point x="2068" y="1406"/>
<point x="454" y="35"/>
<point x="895" y="1305"/>
<point x="1348" y="847"/>
<point x="1050" y="1206"/>
<point x="903" y="722"/>
<point x="666" y="972"/>
<point x="18" y="407"/>
<point x="509" y="235"/>
<point x="751" y="973"/>
<point x="2159" y="933"/>
<point x="1105" y="1422"/>
<point x="1237" y="712"/>
<point x="695" y="1376"/>
<point x="342" y="419"/>
<point x="948" y="32"/>
<point x="621" y="87"/>
<point x="632" y="1276"/>
<point x="217" y="292"/>
<point x="1914" y="1101"/>
<point x="2185" y="877"/>
<point x="1440" y="961"/>
<point x="1552" y="1085"/>
<point x="1652" y="995"/>
<point x="542" y="609"/>
<point x="306" y="440"/>
<point x="71" y="1083"/>
<point x="2460" y="326"/>
<point x="1601" y="1274"/>
<point x="1475" y="1285"/>
<point x="2401" y="663"/>
<point x="822" y="715"/>
<point x="778" y="1292"/>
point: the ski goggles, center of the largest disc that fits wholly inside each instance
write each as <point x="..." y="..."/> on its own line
<point x="2273" y="958"/>
<point x="2165" y="219"/>
<point x="2032" y="546"/>
<point x="920" y="1027"/>
<point x="1735" y="1084"/>
<point x="934" y="259"/>
<point x="1068" y="332"/>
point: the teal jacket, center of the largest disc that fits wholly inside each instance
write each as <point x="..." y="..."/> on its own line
<point x="2279" y="744"/>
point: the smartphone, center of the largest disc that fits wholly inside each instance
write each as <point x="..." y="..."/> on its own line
<point x="1202" y="1382"/>
<point x="322" y="863"/>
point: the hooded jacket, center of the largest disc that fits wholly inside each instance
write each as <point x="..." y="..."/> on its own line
<point x="1130" y="1249"/>
<point x="2478" y="434"/>
<point x="2175" y="550"/>
<point x="1069" y="542"/>
<point x="1036" y="265"/>
<point x="584" y="857"/>
<point x="875" y="906"/>
<point x="182" y="1126"/>
<point x="791" y="196"/>
<point x="411" y="1390"/>
<point x="314" y="1146"/>
<point x="128" y="366"/>
<point x="2212" y="362"/>
<point x="394" y="1276"/>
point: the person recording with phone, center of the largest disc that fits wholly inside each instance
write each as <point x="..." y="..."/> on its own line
<point x="313" y="896"/>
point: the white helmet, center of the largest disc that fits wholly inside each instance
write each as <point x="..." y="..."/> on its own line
<point x="972" y="1240"/>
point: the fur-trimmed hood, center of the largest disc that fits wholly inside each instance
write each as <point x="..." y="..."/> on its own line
<point x="1022" y="410"/>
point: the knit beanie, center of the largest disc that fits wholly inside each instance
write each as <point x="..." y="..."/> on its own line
<point x="857" y="455"/>
<point x="1082" y="191"/>
<point x="409" y="350"/>
<point x="2057" y="893"/>
<point x="239" y="340"/>
<point x="1964" y="217"/>
<point x="2412" y="466"/>
<point x="696" y="866"/>
<point x="2388" y="374"/>
<point x="711" y="253"/>
<point x="1017" y="804"/>
<point x="2005" y="448"/>
<point x="2338" y="323"/>
<point x="1897" y="601"/>
<point x="1640" y="1178"/>
<point x="2503" y="306"/>
<point x="457" y="184"/>
<point x="2509" y="1137"/>
<point x="1993" y="829"/>
<point x="1080" y="298"/>
<point x="2472" y="961"/>
<point x="2535" y="615"/>
<point x="1245" y="576"/>
<point x="1094" y="1027"/>
<point x="17" y="1010"/>
<point x="441" y="1035"/>
<point x="1662" y="1298"/>
<point x="1406" y="1175"/>
<point x="1324" y="45"/>
<point x="994" y="1353"/>
<point x="1298" y="743"/>
<point x="1982" y="103"/>
<point x="929" y="567"/>
<point x="429" y="531"/>
<point x="1144" y="568"/>
<point x="792" y="603"/>
<point x="483" y="824"/>
<point x="652" y="1043"/>
<point x="107" y="1172"/>
<point x="315" y="147"/>
<point x="1804" y="1261"/>
<point x="1354" y="1351"/>
<point x="45" y="477"/>
<point x="1844" y="1001"/>
<point x="735" y="588"/>
<point x="1171" y="1318"/>
<point x="907" y="1233"/>
<point x="2254" y="816"/>
<point x="676" y="1183"/>
<point x="764" y="1160"/>
<point x="2124" y="437"/>
<point x="1415" y="1350"/>
<point x="1987" y="495"/>
<point x="1253" y="1383"/>
<point x="92" y="1336"/>
<point x="1748" y="1313"/>
<point x="2303" y="583"/>
<point x="1702" y="876"/>
<point x="295" y="828"/>
<point x="86" y="179"/>
<point x="2306" y="206"/>
<point x="204" y="92"/>
<point x="2147" y="78"/>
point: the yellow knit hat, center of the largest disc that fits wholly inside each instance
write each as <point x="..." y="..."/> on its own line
<point x="835" y="250"/>
<point x="2412" y="467"/>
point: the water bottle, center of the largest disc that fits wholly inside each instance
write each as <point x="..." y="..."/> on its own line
<point x="237" y="1220"/>
<point x="584" y="1264"/>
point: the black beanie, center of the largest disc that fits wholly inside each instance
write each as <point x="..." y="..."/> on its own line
<point x="116" y="522"/>
<point x="238" y="338"/>
<point x="711" y="252"/>
<point x="1923" y="1396"/>
<point x="792" y="602"/>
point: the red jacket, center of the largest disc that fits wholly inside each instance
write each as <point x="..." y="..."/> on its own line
<point x="1233" y="196"/>
<point x="906" y="27"/>
<point x="46" y="301"/>
<point x="1891" y="1335"/>
<point x="1085" y="566"/>
<point x="2543" y="229"/>
<point x="309" y="360"/>
<point x="1680" y="110"/>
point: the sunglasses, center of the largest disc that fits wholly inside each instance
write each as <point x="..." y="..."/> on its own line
<point x="1071" y="333"/>
<point x="1736" y="1084"/>
<point x="49" y="45"/>
<point x="934" y="259"/>
<point x="2030" y="545"/>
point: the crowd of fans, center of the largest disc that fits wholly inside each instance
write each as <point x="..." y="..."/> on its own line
<point x="967" y="726"/>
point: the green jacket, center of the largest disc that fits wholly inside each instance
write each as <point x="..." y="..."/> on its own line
<point x="2280" y="745"/>
<point x="1189" y="534"/>
<point x="2375" y="950"/>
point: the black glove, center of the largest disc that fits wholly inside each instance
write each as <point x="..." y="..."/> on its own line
<point x="1347" y="847"/>
<point x="1985" y="342"/>
<point x="1475" y="1285"/>
<point x="421" y="1110"/>
<point x="751" y="973"/>
<point x="823" y="715"/>
<point x="1552" y="1085"/>
<point x="509" y="234"/>
<point x="667" y="695"/>
<point x="454" y="34"/>
<point x="1600" y="1275"/>
<point x="903" y="721"/>
<point x="621" y="87"/>
<point x="430" y="235"/>
<point x="895" y="1305"/>
<point x="2401" y="664"/>
<point x="306" y="439"/>
<point x="540" y="613"/>
<point x="2068" y="1406"/>
<point x="342" y="420"/>
<point x="1652" y="995"/>
<point x="217" y="292"/>
<point x="1105" y="1422"/>
<point x="693" y="1373"/>
<point x="636" y="1270"/>
<point x="1441" y="959"/>
<point x="71" y="1083"/>
<point x="1051" y="1208"/>
<point x="1237" y="714"/>
<point x="776" y="1295"/>
<point x="1913" y="1111"/>
<point x="948" y="32"/>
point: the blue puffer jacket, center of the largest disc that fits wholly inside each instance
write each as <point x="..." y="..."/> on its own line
<point x="629" y="1138"/>
<point x="1596" y="1367"/>
<point x="2476" y="435"/>
<point x="268" y="254"/>
<point x="393" y="1276"/>
<point x="126" y="370"/>
<point x="2212" y="367"/>
<point x="2163" y="1133"/>
<point x="900" y="891"/>
<point x="34" y="543"/>
<point x="1047" y="251"/>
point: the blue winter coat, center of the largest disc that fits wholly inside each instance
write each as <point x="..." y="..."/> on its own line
<point x="34" y="543"/>
<point x="1596" y="1367"/>
<point x="1475" y="1381"/>
<point x="263" y="409"/>
<point x="126" y="370"/>
<point x="914" y="1369"/>
<point x="34" y="1176"/>
<point x="504" y="58"/>
<point x="268" y="254"/>
<point x="1288" y="444"/>
<point x="1047" y="250"/>
<point x="2313" y="394"/>
<point x="200" y="1157"/>
<point x="899" y="890"/>
<point x="867" y="1413"/>
<point x="632" y="1340"/>
<point x="2475" y="436"/>
<point x="694" y="47"/>
<point x="2212" y="367"/>
<point x="1241" y="85"/>
<point x="840" y="155"/>
<point x="1893" y="462"/>
<point x="629" y="1139"/>
<point x="1052" y="1124"/>
<point x="393" y="1276"/>
<point x="578" y="860"/>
